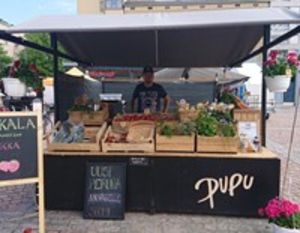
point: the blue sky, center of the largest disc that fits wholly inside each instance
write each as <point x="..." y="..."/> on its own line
<point x="17" y="11"/>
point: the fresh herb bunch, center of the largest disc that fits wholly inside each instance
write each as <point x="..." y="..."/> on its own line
<point x="227" y="129"/>
<point x="207" y="125"/>
<point x="226" y="116"/>
<point x="169" y="130"/>
<point x="186" y="128"/>
<point x="227" y="98"/>
<point x="216" y="120"/>
<point x="166" y="130"/>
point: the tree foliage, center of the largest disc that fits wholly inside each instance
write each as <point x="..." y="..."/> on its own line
<point x="5" y="61"/>
<point x="43" y="61"/>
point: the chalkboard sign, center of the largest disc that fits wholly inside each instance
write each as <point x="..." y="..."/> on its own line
<point x="21" y="154"/>
<point x="18" y="147"/>
<point x="105" y="191"/>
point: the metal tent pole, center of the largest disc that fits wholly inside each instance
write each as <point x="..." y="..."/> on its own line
<point x="21" y="41"/>
<point x="53" y="37"/>
<point x="267" y="46"/>
<point x="266" y="40"/>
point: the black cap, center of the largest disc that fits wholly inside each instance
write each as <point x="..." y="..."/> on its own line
<point x="148" y="69"/>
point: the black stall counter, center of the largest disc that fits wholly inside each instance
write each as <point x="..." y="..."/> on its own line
<point x="216" y="184"/>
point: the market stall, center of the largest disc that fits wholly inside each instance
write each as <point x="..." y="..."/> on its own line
<point x="171" y="165"/>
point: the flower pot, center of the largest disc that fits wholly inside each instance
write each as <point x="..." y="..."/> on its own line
<point x="278" y="229"/>
<point x="14" y="87"/>
<point x="278" y="83"/>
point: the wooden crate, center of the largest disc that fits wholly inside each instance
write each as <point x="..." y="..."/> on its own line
<point x="188" y="116"/>
<point x="127" y="147"/>
<point x="249" y="115"/>
<point x="90" y="132"/>
<point x="218" y="144"/>
<point x="96" y="118"/>
<point x="88" y="145"/>
<point x="176" y="143"/>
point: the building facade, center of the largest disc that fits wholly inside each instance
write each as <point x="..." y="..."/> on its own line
<point x="142" y="6"/>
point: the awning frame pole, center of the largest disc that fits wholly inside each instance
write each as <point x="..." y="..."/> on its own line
<point x="266" y="41"/>
<point x="21" y="41"/>
<point x="156" y="48"/>
<point x="267" y="46"/>
<point x="53" y="38"/>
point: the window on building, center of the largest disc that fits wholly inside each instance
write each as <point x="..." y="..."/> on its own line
<point x="113" y="4"/>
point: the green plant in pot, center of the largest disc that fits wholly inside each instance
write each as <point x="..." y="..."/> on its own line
<point x="279" y="69"/>
<point x="20" y="77"/>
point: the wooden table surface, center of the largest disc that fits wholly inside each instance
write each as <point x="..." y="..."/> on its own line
<point x="264" y="154"/>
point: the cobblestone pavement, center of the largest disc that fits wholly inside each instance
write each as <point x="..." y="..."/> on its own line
<point x="279" y="128"/>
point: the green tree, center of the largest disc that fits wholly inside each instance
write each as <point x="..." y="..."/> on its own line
<point x="5" y="60"/>
<point x="43" y="61"/>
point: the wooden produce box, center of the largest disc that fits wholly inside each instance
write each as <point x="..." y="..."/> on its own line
<point x="92" y="144"/>
<point x="91" y="131"/>
<point x="96" y="118"/>
<point x="127" y="147"/>
<point x="176" y="143"/>
<point x="218" y="144"/>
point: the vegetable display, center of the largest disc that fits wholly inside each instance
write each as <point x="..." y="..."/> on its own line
<point x="229" y="98"/>
<point x="216" y="120"/>
<point x="69" y="133"/>
<point x="207" y="125"/>
<point x="177" y="129"/>
<point x="187" y="112"/>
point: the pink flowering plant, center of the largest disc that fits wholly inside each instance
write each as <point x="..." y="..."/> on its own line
<point x="281" y="64"/>
<point x="26" y="73"/>
<point x="282" y="212"/>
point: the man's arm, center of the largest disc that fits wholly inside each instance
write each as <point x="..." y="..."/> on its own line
<point x="166" y="102"/>
<point x="133" y="104"/>
<point x="134" y="98"/>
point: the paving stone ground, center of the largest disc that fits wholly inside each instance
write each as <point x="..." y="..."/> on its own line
<point x="18" y="201"/>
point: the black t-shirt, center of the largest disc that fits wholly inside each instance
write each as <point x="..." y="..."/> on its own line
<point x="149" y="97"/>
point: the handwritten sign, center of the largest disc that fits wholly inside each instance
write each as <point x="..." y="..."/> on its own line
<point x="225" y="185"/>
<point x="21" y="154"/>
<point x="18" y="147"/>
<point x="105" y="191"/>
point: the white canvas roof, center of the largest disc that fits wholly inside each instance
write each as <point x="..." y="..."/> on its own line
<point x="194" y="39"/>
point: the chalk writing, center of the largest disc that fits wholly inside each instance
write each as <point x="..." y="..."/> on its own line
<point x="10" y="166"/>
<point x="107" y="197"/>
<point x="9" y="146"/>
<point x="7" y="124"/>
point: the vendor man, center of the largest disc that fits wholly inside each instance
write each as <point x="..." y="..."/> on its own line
<point x="149" y="95"/>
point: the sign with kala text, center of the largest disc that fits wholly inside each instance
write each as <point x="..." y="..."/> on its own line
<point x="21" y="154"/>
<point x="18" y="147"/>
<point x="105" y="191"/>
